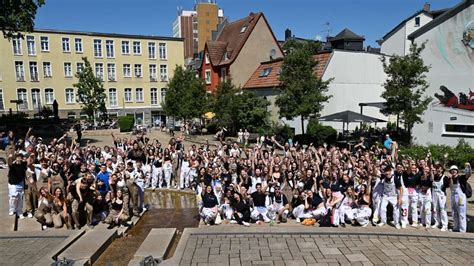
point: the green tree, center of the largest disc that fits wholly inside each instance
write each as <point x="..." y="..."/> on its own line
<point x="236" y="109"/>
<point x="17" y="16"/>
<point x="186" y="95"/>
<point x="302" y="93"/>
<point x="311" y="46"/>
<point x="90" y="91"/>
<point x="405" y="87"/>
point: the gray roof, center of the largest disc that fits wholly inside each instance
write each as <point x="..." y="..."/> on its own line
<point x="346" y="34"/>
<point x="441" y="18"/>
<point x="101" y="34"/>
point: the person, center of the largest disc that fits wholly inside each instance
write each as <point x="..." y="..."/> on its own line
<point x="43" y="213"/>
<point x="426" y="183"/>
<point x="277" y="203"/>
<point x="59" y="210"/>
<point x="240" y="136"/>
<point x="209" y="208"/>
<point x="412" y="182"/>
<point x="458" y="185"/>
<point x="362" y="212"/>
<point x="399" y="176"/>
<point x="438" y="190"/>
<point x="78" y="129"/>
<point x="246" y="137"/>
<point x="241" y="210"/>
<point x="392" y="194"/>
<point x="16" y="176"/>
<point x="31" y="189"/>
<point x="117" y="212"/>
<point x="82" y="199"/>
<point x="259" y="211"/>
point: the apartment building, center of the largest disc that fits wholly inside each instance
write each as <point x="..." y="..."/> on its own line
<point x="41" y="68"/>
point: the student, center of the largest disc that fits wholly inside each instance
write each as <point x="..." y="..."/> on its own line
<point x="363" y="211"/>
<point x="59" y="212"/>
<point x="209" y="209"/>
<point x="259" y="211"/>
<point x="117" y="211"/>
<point x="440" y="183"/>
<point x="458" y="197"/>
<point x="16" y="176"/>
<point x="241" y="210"/>
<point x="346" y="210"/>
<point x="277" y="203"/>
<point x="43" y="213"/>
<point x="426" y="182"/>
<point x="392" y="194"/>
<point x="399" y="176"/>
<point x="412" y="182"/>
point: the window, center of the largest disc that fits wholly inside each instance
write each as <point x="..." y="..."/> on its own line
<point x="47" y="71"/>
<point x="137" y="48"/>
<point x="2" y="106"/>
<point x="265" y="72"/>
<point x="16" y="46"/>
<point x="153" y="72"/>
<point x="138" y="70"/>
<point x="163" y="95"/>
<point x="34" y="71"/>
<point x="208" y="76"/>
<point x="207" y="59"/>
<point x="127" y="72"/>
<point x="111" y="71"/>
<point x="66" y="48"/>
<point x="109" y="48"/>
<point x="36" y="98"/>
<point x="223" y="74"/>
<point x="417" y="21"/>
<point x="112" y="97"/>
<point x="163" y="52"/>
<point x="139" y="95"/>
<point x="22" y="95"/>
<point x="243" y="29"/>
<point x="70" y="96"/>
<point x="459" y="130"/>
<point x="44" y="43"/>
<point x="99" y="70"/>
<point x="154" y="96"/>
<point x="78" y="45"/>
<point x="49" y="96"/>
<point x="125" y="47"/>
<point x="30" y="44"/>
<point x="151" y="50"/>
<point x="98" y="48"/>
<point x="79" y="67"/>
<point x="164" y="72"/>
<point x="128" y="95"/>
<point x="67" y="70"/>
<point x="19" y="71"/>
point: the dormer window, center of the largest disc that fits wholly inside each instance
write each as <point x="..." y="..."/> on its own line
<point x="417" y="21"/>
<point x="243" y="29"/>
<point x="226" y="56"/>
<point x="207" y="59"/>
<point x="265" y="72"/>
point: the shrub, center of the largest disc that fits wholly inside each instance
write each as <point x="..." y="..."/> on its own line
<point x="211" y="127"/>
<point x="126" y="123"/>
<point x="320" y="133"/>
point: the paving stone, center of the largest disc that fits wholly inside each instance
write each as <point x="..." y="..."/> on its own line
<point x="356" y="257"/>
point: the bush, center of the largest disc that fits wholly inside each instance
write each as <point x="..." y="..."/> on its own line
<point x="126" y="123"/>
<point x="320" y="133"/>
<point x="457" y="155"/>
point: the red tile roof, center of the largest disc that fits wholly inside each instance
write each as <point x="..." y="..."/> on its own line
<point x="272" y="79"/>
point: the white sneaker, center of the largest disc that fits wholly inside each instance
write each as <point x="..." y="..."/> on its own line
<point x="404" y="226"/>
<point x="233" y="221"/>
<point x="444" y="229"/>
<point x="44" y="227"/>
<point x="414" y="224"/>
<point x="246" y="224"/>
<point x="30" y="215"/>
<point x="380" y="224"/>
<point x="11" y="213"/>
<point x="298" y="220"/>
<point x="366" y="224"/>
<point x="397" y="226"/>
<point x="21" y="217"/>
<point x="434" y="226"/>
<point x="428" y="226"/>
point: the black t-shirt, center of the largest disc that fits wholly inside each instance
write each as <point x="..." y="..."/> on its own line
<point x="17" y="173"/>
<point x="412" y="180"/>
<point x="309" y="183"/>
<point x="281" y="199"/>
<point x="258" y="199"/>
<point x="241" y="207"/>
<point x="427" y="183"/>
<point x="316" y="200"/>
<point x="209" y="200"/>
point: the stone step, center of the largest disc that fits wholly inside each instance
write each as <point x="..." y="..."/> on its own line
<point x="156" y="244"/>
<point x="89" y="247"/>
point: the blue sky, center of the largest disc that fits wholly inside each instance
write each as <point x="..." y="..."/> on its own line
<point x="306" y="18"/>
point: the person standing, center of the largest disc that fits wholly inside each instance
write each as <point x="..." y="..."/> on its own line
<point x="412" y="182"/>
<point x="399" y="176"/>
<point x="392" y="194"/>
<point x="16" y="177"/>
<point x="440" y="183"/>
<point x="246" y="137"/>
<point x="425" y="197"/>
<point x="458" y="185"/>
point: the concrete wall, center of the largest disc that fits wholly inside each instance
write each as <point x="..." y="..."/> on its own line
<point x="452" y="65"/>
<point x="256" y="49"/>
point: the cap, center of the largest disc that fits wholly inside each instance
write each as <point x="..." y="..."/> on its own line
<point x="453" y="167"/>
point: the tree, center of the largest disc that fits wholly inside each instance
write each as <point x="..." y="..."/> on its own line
<point x="405" y="87"/>
<point x="312" y="46"/>
<point x="90" y="91"/>
<point x="185" y="96"/>
<point x="302" y="93"/>
<point x="17" y="16"/>
<point x="236" y="109"/>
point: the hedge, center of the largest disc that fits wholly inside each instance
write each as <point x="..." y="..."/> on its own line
<point x="126" y="123"/>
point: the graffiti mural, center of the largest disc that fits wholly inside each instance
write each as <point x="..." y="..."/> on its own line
<point x="462" y="101"/>
<point x="468" y="35"/>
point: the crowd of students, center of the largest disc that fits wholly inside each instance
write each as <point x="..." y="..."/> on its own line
<point x="65" y="183"/>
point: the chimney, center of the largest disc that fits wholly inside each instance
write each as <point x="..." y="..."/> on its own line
<point x="426" y="7"/>
<point x="287" y="34"/>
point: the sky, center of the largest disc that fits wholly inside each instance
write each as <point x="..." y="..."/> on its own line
<point x="306" y="18"/>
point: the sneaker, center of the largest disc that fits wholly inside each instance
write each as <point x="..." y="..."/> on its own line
<point x="365" y="225"/>
<point x="233" y="221"/>
<point x="11" y="213"/>
<point x="414" y="224"/>
<point x="30" y="215"/>
<point x="428" y="226"/>
<point x="398" y="226"/>
<point x="444" y="229"/>
<point x="21" y="217"/>
<point x="246" y="224"/>
<point x="404" y="226"/>
<point x="44" y="227"/>
<point x="298" y="220"/>
<point x="343" y="225"/>
<point x="381" y="224"/>
<point x="434" y="226"/>
<point x="112" y="225"/>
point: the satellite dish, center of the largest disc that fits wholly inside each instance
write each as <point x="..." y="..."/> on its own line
<point x="272" y="53"/>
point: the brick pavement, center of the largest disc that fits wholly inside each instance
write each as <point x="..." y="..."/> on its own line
<point x="27" y="250"/>
<point x="320" y="247"/>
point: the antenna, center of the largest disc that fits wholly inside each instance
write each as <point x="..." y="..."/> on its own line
<point x="327" y="29"/>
